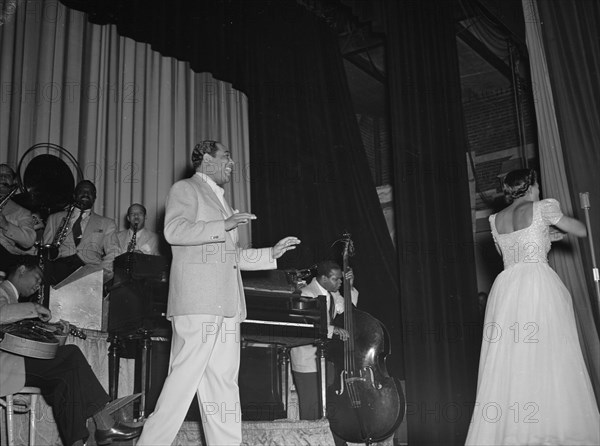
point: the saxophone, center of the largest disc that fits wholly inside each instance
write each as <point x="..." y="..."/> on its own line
<point x="50" y="251"/>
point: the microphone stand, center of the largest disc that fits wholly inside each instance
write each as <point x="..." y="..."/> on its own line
<point x="584" y="200"/>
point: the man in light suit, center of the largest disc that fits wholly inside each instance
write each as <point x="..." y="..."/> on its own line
<point x="17" y="233"/>
<point x="68" y="383"/>
<point x="327" y="283"/>
<point x="90" y="238"/>
<point x="206" y="302"/>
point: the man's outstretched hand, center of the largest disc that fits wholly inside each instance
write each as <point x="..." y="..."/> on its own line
<point x="284" y="245"/>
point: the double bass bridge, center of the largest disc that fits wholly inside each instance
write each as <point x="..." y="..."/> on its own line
<point x="365" y="375"/>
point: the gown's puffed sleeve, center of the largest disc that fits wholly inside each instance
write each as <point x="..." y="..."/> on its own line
<point x="550" y="210"/>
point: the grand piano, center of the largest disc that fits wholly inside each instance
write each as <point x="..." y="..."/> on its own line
<point x="278" y="318"/>
<point x="284" y="318"/>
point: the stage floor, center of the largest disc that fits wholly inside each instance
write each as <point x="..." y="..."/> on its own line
<point x="272" y="433"/>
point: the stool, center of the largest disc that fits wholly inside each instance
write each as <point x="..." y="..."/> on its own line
<point x="33" y="392"/>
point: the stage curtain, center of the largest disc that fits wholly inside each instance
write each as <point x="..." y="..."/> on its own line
<point x="309" y="173"/>
<point x="129" y="115"/>
<point x="433" y="222"/>
<point x="564" y="55"/>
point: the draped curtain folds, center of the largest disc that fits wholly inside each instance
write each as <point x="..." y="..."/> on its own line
<point x="433" y="221"/>
<point x="562" y="38"/>
<point x="129" y="115"/>
<point x="309" y="173"/>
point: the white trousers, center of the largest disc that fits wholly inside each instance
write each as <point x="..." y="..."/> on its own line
<point x="205" y="360"/>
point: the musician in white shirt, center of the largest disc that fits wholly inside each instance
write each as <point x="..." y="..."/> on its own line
<point x="327" y="282"/>
<point x="146" y="241"/>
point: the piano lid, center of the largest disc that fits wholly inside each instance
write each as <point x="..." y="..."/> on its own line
<point x="269" y="280"/>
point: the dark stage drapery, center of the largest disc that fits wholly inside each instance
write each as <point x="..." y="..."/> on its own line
<point x="433" y="222"/>
<point x="572" y="45"/>
<point x="309" y="172"/>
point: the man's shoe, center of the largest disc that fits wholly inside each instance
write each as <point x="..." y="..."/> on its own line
<point x="119" y="432"/>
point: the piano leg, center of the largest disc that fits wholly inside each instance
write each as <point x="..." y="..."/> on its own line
<point x="283" y="354"/>
<point x="322" y="378"/>
<point x="114" y="360"/>
<point x="146" y="347"/>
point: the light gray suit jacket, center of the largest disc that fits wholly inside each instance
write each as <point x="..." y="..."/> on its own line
<point x="98" y="245"/>
<point x="12" y="367"/>
<point x="20" y="235"/>
<point x="205" y="272"/>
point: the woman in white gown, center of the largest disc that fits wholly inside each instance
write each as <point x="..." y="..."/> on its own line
<point x="533" y="386"/>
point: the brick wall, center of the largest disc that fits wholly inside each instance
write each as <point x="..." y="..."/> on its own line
<point x="376" y="141"/>
<point x="492" y="131"/>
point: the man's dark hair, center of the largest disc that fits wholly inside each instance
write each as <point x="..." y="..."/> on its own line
<point x="29" y="263"/>
<point x="325" y="267"/>
<point x="207" y="146"/>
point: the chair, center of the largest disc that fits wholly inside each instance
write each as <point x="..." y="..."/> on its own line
<point x="11" y="409"/>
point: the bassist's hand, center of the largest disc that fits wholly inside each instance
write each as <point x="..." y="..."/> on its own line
<point x="342" y="333"/>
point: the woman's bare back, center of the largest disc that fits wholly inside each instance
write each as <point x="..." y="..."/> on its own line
<point x="514" y="218"/>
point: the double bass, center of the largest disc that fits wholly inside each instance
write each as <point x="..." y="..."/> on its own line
<point x="364" y="403"/>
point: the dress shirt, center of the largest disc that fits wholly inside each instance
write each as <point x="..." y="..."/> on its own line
<point x="218" y="190"/>
<point x="84" y="219"/>
<point x="304" y="357"/>
<point x="145" y="241"/>
<point x="220" y="193"/>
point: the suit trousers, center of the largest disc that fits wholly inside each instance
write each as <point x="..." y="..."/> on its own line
<point x="57" y="270"/>
<point x="8" y="259"/>
<point x="205" y="360"/>
<point x="70" y="387"/>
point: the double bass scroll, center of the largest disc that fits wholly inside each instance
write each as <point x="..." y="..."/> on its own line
<point x="364" y="403"/>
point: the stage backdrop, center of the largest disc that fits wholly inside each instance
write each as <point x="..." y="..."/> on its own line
<point x="565" y="63"/>
<point x="129" y="115"/>
<point x="309" y="172"/>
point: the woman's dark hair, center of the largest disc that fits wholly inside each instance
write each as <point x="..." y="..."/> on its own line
<point x="517" y="182"/>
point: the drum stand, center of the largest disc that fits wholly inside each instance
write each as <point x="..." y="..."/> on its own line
<point x="144" y="344"/>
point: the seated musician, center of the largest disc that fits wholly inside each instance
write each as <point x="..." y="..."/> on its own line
<point x="127" y="299"/>
<point x="145" y="241"/>
<point x="304" y="359"/>
<point x="67" y="381"/>
<point x="17" y="233"/>
<point x="88" y="238"/>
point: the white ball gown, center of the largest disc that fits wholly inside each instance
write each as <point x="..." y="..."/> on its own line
<point x="533" y="386"/>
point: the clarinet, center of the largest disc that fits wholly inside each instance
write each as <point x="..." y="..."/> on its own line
<point x="132" y="242"/>
<point x="131" y="249"/>
<point x="8" y="196"/>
